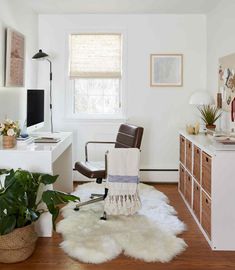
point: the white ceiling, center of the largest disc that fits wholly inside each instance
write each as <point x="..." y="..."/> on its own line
<point x="121" y="6"/>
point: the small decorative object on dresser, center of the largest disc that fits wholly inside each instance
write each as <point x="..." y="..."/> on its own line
<point x="209" y="115"/>
<point x="9" y="130"/>
<point x="193" y="129"/>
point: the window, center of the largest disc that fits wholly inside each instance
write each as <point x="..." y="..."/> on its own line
<point x="95" y="71"/>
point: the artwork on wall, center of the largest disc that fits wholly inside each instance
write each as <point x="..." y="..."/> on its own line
<point x="15" y="59"/>
<point x="226" y="80"/>
<point x="1" y="54"/>
<point x="166" y="70"/>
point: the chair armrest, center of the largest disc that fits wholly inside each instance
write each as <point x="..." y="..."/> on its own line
<point x="94" y="142"/>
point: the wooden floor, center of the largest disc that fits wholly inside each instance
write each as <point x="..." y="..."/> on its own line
<point x="198" y="255"/>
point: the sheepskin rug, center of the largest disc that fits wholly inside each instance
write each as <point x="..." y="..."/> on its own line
<point x="149" y="235"/>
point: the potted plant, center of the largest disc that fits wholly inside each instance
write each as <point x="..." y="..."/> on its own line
<point x="10" y="130"/>
<point x="20" y="207"/>
<point x="209" y="115"/>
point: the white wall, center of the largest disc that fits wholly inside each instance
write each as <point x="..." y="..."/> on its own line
<point x="220" y="42"/>
<point x="17" y="15"/>
<point x="161" y="111"/>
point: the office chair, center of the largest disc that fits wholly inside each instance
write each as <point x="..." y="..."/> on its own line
<point x="129" y="136"/>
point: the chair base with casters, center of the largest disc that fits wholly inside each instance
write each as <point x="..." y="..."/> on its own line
<point x="101" y="197"/>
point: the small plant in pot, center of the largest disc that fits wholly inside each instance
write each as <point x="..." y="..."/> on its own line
<point x="209" y="114"/>
<point x="20" y="207"/>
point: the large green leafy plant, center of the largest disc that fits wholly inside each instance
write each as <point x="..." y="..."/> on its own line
<point x="20" y="203"/>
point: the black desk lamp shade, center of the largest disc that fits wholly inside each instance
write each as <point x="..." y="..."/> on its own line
<point x="40" y="55"/>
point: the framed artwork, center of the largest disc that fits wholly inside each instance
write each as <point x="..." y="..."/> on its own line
<point x="15" y="59"/>
<point x="166" y="70"/>
<point x="226" y="80"/>
<point x="2" y="38"/>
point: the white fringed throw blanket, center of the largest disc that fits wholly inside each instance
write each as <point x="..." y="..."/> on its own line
<point x="122" y="182"/>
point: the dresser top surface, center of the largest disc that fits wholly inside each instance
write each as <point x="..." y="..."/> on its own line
<point x="207" y="142"/>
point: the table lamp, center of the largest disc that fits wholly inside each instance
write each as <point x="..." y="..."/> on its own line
<point x="200" y="98"/>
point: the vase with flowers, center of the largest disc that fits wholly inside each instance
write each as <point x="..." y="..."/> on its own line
<point x="9" y="130"/>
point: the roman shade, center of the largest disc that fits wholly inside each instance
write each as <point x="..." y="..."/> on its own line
<point x="95" y="55"/>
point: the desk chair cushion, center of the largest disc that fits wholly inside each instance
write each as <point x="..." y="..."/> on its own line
<point x="91" y="169"/>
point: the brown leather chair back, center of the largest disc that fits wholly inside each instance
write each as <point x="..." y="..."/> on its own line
<point x="129" y="136"/>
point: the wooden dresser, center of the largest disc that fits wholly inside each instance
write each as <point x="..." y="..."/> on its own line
<point x="207" y="186"/>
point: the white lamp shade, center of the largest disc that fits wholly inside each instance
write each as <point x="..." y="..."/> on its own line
<point x="201" y="98"/>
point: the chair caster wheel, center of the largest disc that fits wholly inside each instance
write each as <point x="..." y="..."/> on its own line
<point x="99" y="180"/>
<point x="76" y="209"/>
<point x="104" y="217"/>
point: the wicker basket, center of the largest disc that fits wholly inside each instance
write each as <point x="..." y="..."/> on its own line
<point x="18" y="245"/>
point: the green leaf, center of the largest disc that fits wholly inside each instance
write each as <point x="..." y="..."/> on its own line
<point x="48" y="179"/>
<point x="4" y="171"/>
<point x="54" y="216"/>
<point x="21" y="222"/>
<point x="36" y="178"/>
<point x="7" y="224"/>
<point x="8" y="204"/>
<point x="10" y="179"/>
<point x="54" y="198"/>
<point x="58" y="197"/>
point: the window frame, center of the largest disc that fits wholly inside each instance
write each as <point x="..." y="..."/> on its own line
<point x="69" y="91"/>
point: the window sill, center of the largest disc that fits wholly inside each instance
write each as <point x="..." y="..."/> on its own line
<point x="96" y="118"/>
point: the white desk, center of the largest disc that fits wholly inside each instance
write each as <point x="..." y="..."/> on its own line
<point x="51" y="158"/>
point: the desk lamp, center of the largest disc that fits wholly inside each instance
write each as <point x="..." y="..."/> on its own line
<point x="41" y="56"/>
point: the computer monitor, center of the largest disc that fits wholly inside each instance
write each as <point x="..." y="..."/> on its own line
<point x="35" y="109"/>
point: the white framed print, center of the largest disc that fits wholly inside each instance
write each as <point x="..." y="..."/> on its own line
<point x="166" y="70"/>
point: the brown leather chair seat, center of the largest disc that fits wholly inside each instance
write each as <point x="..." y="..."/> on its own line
<point x="91" y="169"/>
